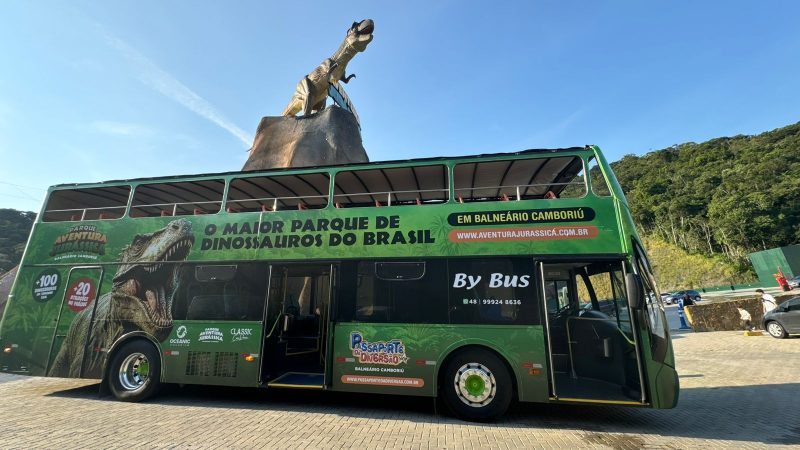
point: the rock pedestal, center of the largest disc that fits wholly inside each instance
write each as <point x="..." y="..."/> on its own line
<point x="329" y="137"/>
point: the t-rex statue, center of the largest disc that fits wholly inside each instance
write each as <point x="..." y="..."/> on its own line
<point x="312" y="90"/>
<point x="140" y="299"/>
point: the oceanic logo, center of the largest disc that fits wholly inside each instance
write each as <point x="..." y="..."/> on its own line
<point x="80" y="239"/>
<point x="180" y="339"/>
<point x="210" y="335"/>
<point x="390" y="353"/>
<point x="241" y="334"/>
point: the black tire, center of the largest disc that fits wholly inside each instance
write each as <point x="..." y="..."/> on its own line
<point x="128" y="377"/>
<point x="776" y="330"/>
<point x="487" y="377"/>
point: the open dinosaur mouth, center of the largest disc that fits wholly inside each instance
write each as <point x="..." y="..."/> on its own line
<point x="365" y="27"/>
<point x="154" y="283"/>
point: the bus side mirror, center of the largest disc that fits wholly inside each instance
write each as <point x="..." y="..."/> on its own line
<point x="633" y="287"/>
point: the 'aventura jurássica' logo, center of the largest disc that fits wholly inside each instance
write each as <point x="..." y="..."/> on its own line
<point x="211" y="334"/>
<point x="383" y="352"/>
<point x="79" y="240"/>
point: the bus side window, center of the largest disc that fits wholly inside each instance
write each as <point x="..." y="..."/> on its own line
<point x="493" y="291"/>
<point x="217" y="292"/>
<point x="394" y="292"/>
<point x="599" y="185"/>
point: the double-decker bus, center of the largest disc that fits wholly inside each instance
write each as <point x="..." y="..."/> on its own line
<point x="478" y="279"/>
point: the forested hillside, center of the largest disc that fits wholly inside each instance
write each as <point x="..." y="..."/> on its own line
<point x="728" y="196"/>
<point x="15" y="226"/>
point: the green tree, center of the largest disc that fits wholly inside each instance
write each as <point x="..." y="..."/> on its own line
<point x="15" y="226"/>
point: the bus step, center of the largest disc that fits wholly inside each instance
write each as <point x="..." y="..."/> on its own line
<point x="299" y="380"/>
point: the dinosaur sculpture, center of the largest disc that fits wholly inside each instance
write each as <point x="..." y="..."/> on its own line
<point x="312" y="90"/>
<point x="140" y="299"/>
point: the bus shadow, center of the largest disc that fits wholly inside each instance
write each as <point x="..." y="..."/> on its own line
<point x="734" y="413"/>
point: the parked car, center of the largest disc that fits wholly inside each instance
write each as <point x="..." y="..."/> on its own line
<point x="794" y="282"/>
<point x="675" y="296"/>
<point x="664" y="296"/>
<point x="783" y="320"/>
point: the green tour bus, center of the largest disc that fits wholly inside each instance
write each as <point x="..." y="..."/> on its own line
<point x="478" y="279"/>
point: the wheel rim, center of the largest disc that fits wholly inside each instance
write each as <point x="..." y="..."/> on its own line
<point x="134" y="372"/>
<point x="774" y="329"/>
<point x="475" y="385"/>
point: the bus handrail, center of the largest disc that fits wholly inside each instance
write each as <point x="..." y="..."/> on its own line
<point x="390" y="193"/>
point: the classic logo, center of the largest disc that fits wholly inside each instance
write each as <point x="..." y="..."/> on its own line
<point x="241" y="334"/>
<point x="210" y="335"/>
<point x="390" y="353"/>
<point x="79" y="240"/>
<point x="181" y="340"/>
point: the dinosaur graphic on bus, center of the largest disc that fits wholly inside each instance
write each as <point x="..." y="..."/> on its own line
<point x="140" y="299"/>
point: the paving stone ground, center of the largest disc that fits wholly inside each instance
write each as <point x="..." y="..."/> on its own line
<point x="736" y="392"/>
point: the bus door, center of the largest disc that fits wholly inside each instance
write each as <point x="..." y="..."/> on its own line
<point x="296" y="339"/>
<point x="593" y="349"/>
<point x="80" y="299"/>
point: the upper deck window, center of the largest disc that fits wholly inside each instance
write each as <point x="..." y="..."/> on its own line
<point x="87" y="204"/>
<point x="177" y="199"/>
<point x="418" y="185"/>
<point x="520" y="179"/>
<point x="278" y="193"/>
<point x="599" y="185"/>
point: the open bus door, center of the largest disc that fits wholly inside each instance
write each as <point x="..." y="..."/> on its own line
<point x="296" y="338"/>
<point x="593" y="348"/>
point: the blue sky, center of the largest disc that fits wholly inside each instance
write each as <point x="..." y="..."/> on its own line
<point x="91" y="91"/>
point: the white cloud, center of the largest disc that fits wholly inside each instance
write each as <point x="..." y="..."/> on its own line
<point x="166" y="84"/>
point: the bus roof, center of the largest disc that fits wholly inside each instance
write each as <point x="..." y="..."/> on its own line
<point x="304" y="168"/>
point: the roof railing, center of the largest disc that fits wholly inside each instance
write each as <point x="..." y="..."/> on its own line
<point x="263" y="201"/>
<point x="389" y="194"/>
<point x="80" y="214"/>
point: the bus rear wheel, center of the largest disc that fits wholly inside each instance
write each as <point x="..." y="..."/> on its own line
<point x="135" y="371"/>
<point x="476" y="385"/>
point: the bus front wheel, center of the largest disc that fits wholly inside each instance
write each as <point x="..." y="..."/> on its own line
<point x="476" y="385"/>
<point x="135" y="371"/>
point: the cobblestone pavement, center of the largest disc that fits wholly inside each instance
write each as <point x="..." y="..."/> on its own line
<point x="737" y="392"/>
